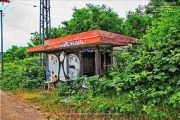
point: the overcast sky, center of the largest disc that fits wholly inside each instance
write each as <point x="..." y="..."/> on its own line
<point x="21" y="18"/>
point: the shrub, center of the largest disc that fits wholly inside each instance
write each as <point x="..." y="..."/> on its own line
<point x="25" y="73"/>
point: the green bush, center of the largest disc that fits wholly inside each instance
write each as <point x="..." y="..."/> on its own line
<point x="25" y="73"/>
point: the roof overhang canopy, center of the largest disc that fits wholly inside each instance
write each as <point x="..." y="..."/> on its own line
<point x="94" y="37"/>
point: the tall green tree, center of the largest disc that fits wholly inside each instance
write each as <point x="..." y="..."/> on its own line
<point x="93" y="17"/>
<point x="100" y="17"/>
<point x="136" y="24"/>
<point x="153" y="4"/>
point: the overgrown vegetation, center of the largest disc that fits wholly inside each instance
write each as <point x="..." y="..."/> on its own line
<point x="144" y="83"/>
<point x="25" y="73"/>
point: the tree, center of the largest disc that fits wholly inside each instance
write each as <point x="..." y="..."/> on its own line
<point x="58" y="31"/>
<point x="101" y="17"/>
<point x="136" y="24"/>
<point x="16" y="53"/>
<point x="93" y="17"/>
<point x="35" y="39"/>
<point x="151" y="7"/>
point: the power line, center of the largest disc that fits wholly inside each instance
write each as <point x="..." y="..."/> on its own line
<point x="24" y="4"/>
<point x="2" y="5"/>
<point x="17" y="3"/>
<point x="3" y="8"/>
<point x="6" y="7"/>
<point x="9" y="10"/>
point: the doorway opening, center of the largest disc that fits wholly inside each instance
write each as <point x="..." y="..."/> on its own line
<point x="105" y="62"/>
<point x="88" y="63"/>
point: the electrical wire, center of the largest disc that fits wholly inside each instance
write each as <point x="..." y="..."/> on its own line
<point x="6" y="7"/>
<point x="2" y="5"/>
<point x="24" y="4"/>
<point x="15" y="5"/>
<point x="9" y="10"/>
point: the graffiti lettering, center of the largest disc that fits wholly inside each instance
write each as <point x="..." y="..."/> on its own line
<point x="72" y="43"/>
<point x="46" y="47"/>
<point x="69" y="43"/>
<point x="76" y="42"/>
<point x="62" y="44"/>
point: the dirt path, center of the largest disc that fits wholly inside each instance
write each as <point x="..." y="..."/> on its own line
<point x="12" y="108"/>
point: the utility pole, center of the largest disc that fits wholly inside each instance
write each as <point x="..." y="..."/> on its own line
<point x="2" y="52"/>
<point x="2" y="61"/>
<point x="45" y="24"/>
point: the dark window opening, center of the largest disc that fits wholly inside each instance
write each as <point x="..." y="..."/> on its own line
<point x="89" y="63"/>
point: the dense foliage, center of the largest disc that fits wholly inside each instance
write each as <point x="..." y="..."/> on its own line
<point x="25" y="73"/>
<point x="16" y="53"/>
<point x="136" y="25"/>
<point x="93" y="17"/>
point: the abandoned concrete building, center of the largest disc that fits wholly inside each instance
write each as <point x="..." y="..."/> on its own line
<point x="79" y="54"/>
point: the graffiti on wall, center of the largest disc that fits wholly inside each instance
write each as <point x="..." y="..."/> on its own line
<point x="46" y="47"/>
<point x="53" y="63"/>
<point x="63" y="65"/>
<point x="72" y="43"/>
<point x="74" y="66"/>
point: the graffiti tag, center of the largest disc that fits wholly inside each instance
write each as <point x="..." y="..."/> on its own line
<point x="46" y="47"/>
<point x="72" y="43"/>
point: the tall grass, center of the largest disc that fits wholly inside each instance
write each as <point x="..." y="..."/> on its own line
<point x="115" y="107"/>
